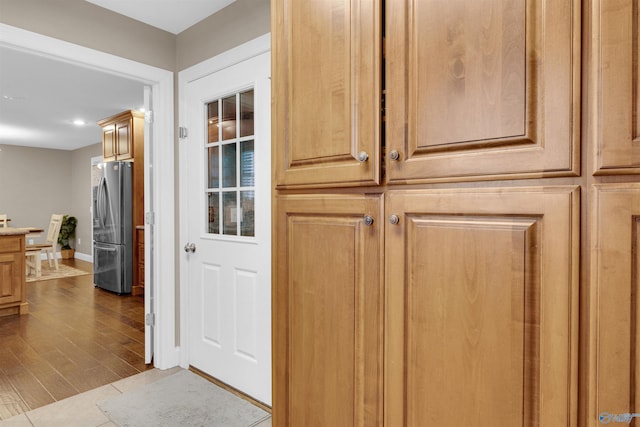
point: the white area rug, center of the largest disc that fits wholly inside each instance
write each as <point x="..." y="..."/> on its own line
<point x="181" y="399"/>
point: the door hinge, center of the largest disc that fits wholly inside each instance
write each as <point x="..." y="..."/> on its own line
<point x="182" y="132"/>
<point x="148" y="116"/>
<point x="150" y="218"/>
<point x="150" y="319"/>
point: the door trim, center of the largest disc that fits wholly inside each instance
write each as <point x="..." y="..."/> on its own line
<point x="163" y="174"/>
<point x="226" y="59"/>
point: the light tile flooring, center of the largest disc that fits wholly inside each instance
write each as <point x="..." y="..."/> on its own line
<point x="82" y="410"/>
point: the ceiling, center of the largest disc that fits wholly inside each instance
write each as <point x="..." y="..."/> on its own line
<point x="173" y="16"/>
<point x="40" y="97"/>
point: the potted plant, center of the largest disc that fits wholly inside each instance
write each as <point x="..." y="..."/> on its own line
<point x="66" y="236"/>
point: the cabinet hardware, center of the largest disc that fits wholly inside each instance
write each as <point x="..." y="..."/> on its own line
<point x="393" y="219"/>
<point x="363" y="156"/>
<point x="368" y="220"/>
<point x="394" y="155"/>
<point x="190" y="247"/>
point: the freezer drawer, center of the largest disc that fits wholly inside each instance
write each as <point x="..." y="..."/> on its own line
<point x="112" y="268"/>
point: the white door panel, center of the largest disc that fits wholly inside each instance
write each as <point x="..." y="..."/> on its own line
<point x="229" y="273"/>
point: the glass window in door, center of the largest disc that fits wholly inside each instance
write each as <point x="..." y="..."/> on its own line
<point x="230" y="173"/>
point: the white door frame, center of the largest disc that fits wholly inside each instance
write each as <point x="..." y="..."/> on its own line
<point x="166" y="354"/>
<point x="226" y="59"/>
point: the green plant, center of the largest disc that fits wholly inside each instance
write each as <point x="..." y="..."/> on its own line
<point x="67" y="231"/>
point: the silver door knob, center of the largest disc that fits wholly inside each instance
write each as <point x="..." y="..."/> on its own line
<point x="363" y="156"/>
<point x="368" y="220"/>
<point x="393" y="219"/>
<point x="394" y="155"/>
<point x="190" y="247"/>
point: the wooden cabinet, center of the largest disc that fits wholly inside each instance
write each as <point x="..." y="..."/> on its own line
<point x="138" y="283"/>
<point x="12" y="275"/>
<point x="615" y="106"/>
<point x="120" y="135"/>
<point x="328" y="312"/>
<point x="515" y="210"/>
<point x="328" y="91"/>
<point x="482" y="89"/>
<point x="123" y="139"/>
<point x="481" y="307"/>
<point x="615" y="294"/>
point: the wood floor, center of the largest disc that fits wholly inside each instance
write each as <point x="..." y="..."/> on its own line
<point x="75" y="338"/>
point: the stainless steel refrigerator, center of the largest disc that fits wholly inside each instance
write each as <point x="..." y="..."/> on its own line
<point x="112" y="228"/>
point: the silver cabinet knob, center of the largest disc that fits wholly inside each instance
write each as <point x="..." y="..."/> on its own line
<point x="368" y="220"/>
<point x="394" y="155"/>
<point x="363" y="156"/>
<point x="393" y="219"/>
<point x="190" y="247"/>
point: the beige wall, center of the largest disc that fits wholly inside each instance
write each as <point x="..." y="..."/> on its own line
<point x="237" y="23"/>
<point x="86" y="24"/>
<point x="81" y="194"/>
<point x="37" y="182"/>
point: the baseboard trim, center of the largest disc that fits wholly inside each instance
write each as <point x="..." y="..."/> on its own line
<point x="84" y="257"/>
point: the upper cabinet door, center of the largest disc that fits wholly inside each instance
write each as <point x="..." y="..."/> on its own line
<point x="482" y="89"/>
<point x="326" y="92"/>
<point x="615" y="114"/>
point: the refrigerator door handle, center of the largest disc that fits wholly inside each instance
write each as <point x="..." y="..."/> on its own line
<point x="102" y="205"/>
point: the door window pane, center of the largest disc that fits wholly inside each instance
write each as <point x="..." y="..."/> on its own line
<point x="229" y="118"/>
<point x="230" y="212"/>
<point x="213" y="213"/>
<point x="246" y="113"/>
<point x="247" y="172"/>
<point x="247" y="202"/>
<point x="229" y="165"/>
<point x="213" y="163"/>
<point x="212" y="121"/>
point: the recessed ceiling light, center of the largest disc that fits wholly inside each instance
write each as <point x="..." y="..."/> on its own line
<point x="79" y="122"/>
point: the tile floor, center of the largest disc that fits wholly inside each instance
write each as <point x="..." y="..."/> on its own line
<point x="82" y="410"/>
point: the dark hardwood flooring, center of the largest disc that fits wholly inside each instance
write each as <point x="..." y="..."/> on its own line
<point x="75" y="338"/>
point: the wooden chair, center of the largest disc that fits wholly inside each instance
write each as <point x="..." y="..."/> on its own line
<point x="34" y="265"/>
<point x="51" y="243"/>
<point x="3" y="220"/>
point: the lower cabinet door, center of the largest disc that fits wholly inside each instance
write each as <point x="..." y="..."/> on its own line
<point x="614" y="306"/>
<point x="327" y="325"/>
<point x="12" y="276"/>
<point x="481" y="308"/>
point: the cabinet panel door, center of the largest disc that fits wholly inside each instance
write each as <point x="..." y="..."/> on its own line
<point x="109" y="143"/>
<point x="614" y="311"/>
<point x="11" y="276"/>
<point x="482" y="89"/>
<point x="327" y="324"/>
<point x="326" y="95"/>
<point x="123" y="140"/>
<point x="616" y="107"/>
<point x="482" y="307"/>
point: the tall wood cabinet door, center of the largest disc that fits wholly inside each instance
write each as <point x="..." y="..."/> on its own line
<point x="124" y="139"/>
<point x="481" y="307"/>
<point x="616" y="74"/>
<point x="109" y="142"/>
<point x="614" y="311"/>
<point x="327" y="305"/>
<point x="482" y="89"/>
<point x="326" y="92"/>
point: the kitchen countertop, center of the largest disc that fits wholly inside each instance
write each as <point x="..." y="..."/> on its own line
<point x="13" y="231"/>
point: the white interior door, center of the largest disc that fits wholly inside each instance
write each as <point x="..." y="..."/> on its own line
<point x="229" y="267"/>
